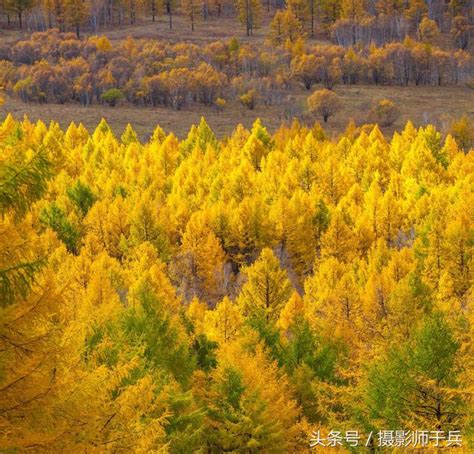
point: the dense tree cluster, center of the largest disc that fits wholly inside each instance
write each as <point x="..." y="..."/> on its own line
<point x="57" y="67"/>
<point x="383" y="21"/>
<point x="216" y="296"/>
<point x="95" y="15"/>
<point x="349" y="21"/>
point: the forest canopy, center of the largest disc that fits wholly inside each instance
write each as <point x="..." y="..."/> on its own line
<point x="235" y="294"/>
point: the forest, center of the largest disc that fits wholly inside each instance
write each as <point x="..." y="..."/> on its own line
<point x="170" y="62"/>
<point x="388" y="43"/>
<point x="349" y="21"/>
<point x="236" y="226"/>
<point x="234" y="61"/>
<point x="234" y="295"/>
<point x="52" y="67"/>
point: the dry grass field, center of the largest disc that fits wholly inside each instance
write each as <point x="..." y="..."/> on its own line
<point x="437" y="105"/>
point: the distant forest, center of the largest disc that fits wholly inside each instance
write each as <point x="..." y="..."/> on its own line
<point x="347" y="21"/>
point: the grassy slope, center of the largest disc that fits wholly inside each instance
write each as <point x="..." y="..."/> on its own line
<point x="420" y="104"/>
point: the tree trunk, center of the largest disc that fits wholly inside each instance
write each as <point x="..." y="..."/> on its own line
<point x="247" y="7"/>
<point x="251" y="19"/>
<point x="109" y="11"/>
<point x="168" y="10"/>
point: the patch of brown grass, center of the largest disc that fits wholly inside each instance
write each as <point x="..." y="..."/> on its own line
<point x="421" y="105"/>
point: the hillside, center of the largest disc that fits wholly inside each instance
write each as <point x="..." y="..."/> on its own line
<point x="428" y="75"/>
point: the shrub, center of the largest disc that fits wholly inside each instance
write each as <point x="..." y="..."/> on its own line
<point x="220" y="103"/>
<point x="324" y="102"/>
<point x="23" y="88"/>
<point x="384" y="113"/>
<point x="249" y="99"/>
<point x="234" y="45"/>
<point x="112" y="96"/>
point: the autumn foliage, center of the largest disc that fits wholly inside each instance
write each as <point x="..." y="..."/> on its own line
<point x="53" y="67"/>
<point x="324" y="103"/>
<point x="231" y="295"/>
<point x="346" y="22"/>
<point x="384" y="113"/>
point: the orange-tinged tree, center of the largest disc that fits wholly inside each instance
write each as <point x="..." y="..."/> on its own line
<point x="324" y="102"/>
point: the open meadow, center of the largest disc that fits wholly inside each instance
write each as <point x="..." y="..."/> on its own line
<point x="422" y="105"/>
